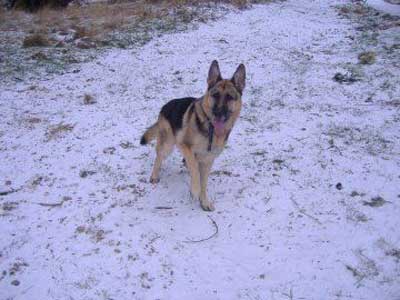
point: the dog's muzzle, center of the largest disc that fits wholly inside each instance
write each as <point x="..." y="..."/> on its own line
<point x="221" y="114"/>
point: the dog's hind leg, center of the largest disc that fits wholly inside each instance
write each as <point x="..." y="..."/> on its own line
<point x="164" y="147"/>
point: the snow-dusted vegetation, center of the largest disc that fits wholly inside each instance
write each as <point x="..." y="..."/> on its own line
<point x="306" y="193"/>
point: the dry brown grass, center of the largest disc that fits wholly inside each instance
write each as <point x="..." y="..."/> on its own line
<point x="367" y="58"/>
<point x="58" y="130"/>
<point x="88" y="99"/>
<point x="241" y="3"/>
<point x="111" y="15"/>
<point x="98" y="17"/>
<point x="357" y="8"/>
<point x="35" y="40"/>
<point x="98" y="20"/>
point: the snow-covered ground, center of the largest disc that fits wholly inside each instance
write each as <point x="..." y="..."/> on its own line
<point x="307" y="192"/>
<point x="385" y="6"/>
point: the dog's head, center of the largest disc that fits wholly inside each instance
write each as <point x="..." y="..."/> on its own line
<point x="223" y="99"/>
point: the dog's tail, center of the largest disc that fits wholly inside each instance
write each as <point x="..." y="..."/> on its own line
<point x="149" y="135"/>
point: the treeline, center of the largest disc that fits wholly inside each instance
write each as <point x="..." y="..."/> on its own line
<point x="34" y="5"/>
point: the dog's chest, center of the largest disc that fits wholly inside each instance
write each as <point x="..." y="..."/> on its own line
<point x="203" y="150"/>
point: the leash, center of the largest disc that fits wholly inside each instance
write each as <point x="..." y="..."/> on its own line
<point x="210" y="136"/>
<point x="210" y="128"/>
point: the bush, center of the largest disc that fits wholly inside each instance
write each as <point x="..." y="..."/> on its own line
<point x="34" y="5"/>
<point x="35" y="40"/>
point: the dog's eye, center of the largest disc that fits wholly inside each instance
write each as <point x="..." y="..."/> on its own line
<point x="215" y="95"/>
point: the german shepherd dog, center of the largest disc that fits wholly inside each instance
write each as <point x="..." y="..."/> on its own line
<point x="199" y="127"/>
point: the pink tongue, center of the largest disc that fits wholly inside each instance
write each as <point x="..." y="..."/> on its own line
<point x="219" y="127"/>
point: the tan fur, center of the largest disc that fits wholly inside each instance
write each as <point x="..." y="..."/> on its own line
<point x="192" y="143"/>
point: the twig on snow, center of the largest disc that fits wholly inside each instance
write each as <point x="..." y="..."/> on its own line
<point x="51" y="205"/>
<point x="303" y="212"/>
<point x="208" y="238"/>
<point x="5" y="193"/>
<point x="163" y="207"/>
<point x="290" y="295"/>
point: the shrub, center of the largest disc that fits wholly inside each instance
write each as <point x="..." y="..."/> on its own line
<point x="35" y="40"/>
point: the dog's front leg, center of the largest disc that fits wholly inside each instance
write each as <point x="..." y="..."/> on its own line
<point x="205" y="167"/>
<point x="193" y="166"/>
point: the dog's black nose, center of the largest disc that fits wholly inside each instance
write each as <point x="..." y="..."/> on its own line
<point x="220" y="112"/>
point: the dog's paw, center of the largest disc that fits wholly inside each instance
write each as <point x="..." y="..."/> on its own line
<point x="207" y="205"/>
<point x="154" y="180"/>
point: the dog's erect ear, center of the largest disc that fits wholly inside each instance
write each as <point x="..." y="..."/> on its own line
<point x="214" y="74"/>
<point x="239" y="78"/>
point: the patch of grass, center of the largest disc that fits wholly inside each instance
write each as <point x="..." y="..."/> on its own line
<point x="357" y="274"/>
<point x="366" y="268"/>
<point x="345" y="78"/>
<point x="375" y="202"/>
<point x="95" y="234"/>
<point x="9" y="206"/>
<point x="394" y="103"/>
<point x="393" y="252"/>
<point x="367" y="17"/>
<point x="369" y="139"/>
<point x="102" y="17"/>
<point x="33" y="120"/>
<point x="86" y="173"/>
<point x="126" y="145"/>
<point x="82" y="32"/>
<point x="88" y="99"/>
<point x="278" y="161"/>
<point x="353" y="8"/>
<point x="367" y="58"/>
<point x="355" y="216"/>
<point x="17" y="267"/>
<point x="355" y="194"/>
<point x="241" y="4"/>
<point x="39" y="56"/>
<point x="35" y="40"/>
<point x="97" y="25"/>
<point x="223" y="172"/>
<point x="259" y="153"/>
<point x="58" y="130"/>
